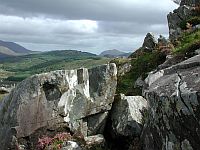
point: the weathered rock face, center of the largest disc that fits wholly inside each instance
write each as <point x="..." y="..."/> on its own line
<point x="149" y="43"/>
<point x="126" y="115"/>
<point x="95" y="140"/>
<point x="190" y="2"/>
<point x="175" y="19"/>
<point x="177" y="1"/>
<point x="56" y="100"/>
<point x="124" y="68"/>
<point x="174" y="105"/>
<point x="70" y="145"/>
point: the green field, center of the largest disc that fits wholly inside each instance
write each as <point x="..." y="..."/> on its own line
<point x="16" y="69"/>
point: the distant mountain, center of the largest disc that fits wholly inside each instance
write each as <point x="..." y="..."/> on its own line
<point x="6" y="52"/>
<point x="114" y="53"/>
<point x="14" y="47"/>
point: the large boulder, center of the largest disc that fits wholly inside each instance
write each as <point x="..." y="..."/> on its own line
<point x="173" y="116"/>
<point x="57" y="101"/>
<point x="126" y="115"/>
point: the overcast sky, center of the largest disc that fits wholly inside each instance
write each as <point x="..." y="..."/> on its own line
<point x="87" y="25"/>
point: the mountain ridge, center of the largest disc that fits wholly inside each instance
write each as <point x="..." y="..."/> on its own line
<point x="14" y="47"/>
<point x="114" y="53"/>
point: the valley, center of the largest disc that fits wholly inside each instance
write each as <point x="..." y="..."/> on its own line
<point x="15" y="69"/>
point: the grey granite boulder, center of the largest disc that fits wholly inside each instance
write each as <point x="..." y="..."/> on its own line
<point x="127" y="115"/>
<point x="173" y="116"/>
<point x="58" y="100"/>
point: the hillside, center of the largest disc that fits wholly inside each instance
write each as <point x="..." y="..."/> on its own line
<point x="114" y="53"/>
<point x="6" y="52"/>
<point x="148" y="101"/>
<point x="19" y="67"/>
<point x="14" y="47"/>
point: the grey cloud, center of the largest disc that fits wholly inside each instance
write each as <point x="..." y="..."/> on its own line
<point x="121" y="24"/>
<point x="101" y="10"/>
<point x="131" y="28"/>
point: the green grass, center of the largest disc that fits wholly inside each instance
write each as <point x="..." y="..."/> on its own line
<point x="188" y="43"/>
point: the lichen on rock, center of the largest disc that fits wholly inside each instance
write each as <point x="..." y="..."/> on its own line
<point x="59" y="100"/>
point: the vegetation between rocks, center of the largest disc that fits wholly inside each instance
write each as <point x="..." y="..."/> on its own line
<point x="141" y="65"/>
<point x="188" y="43"/>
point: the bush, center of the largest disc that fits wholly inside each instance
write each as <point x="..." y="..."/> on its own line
<point x="53" y="143"/>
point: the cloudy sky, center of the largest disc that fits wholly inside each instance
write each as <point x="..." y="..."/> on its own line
<point x="87" y="25"/>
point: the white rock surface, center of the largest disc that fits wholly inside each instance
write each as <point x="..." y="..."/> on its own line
<point x="127" y="116"/>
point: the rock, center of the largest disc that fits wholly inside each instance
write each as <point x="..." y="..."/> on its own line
<point x="70" y="145"/>
<point x="174" y="20"/>
<point x="126" y="115"/>
<point x="171" y="60"/>
<point x="96" y="123"/>
<point x="190" y="2"/>
<point x="149" y="43"/>
<point x="4" y="90"/>
<point x="124" y="68"/>
<point x="95" y="140"/>
<point x="58" y="100"/>
<point x="177" y="1"/>
<point x="173" y="115"/>
<point x="197" y="52"/>
<point x="162" y="41"/>
<point x="139" y="83"/>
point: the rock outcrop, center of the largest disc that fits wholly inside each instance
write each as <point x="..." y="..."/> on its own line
<point x="56" y="101"/>
<point x="173" y="95"/>
<point x="127" y="115"/>
<point x="123" y="69"/>
<point x="149" y="43"/>
<point x="175" y="18"/>
<point x="190" y="2"/>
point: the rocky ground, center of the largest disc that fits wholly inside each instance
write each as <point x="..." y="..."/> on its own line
<point x="83" y="109"/>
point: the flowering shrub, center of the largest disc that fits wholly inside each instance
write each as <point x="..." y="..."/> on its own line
<point x="53" y="143"/>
